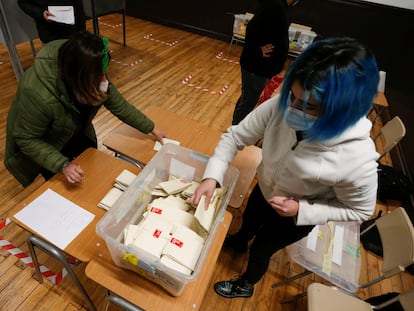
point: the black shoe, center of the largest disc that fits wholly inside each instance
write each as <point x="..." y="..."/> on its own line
<point x="233" y="242"/>
<point x="234" y="288"/>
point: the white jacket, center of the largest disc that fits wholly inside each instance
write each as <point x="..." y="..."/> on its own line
<point x="332" y="180"/>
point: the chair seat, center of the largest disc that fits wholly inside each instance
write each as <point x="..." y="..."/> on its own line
<point x="325" y="298"/>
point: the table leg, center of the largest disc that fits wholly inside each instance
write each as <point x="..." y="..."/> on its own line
<point x="53" y="251"/>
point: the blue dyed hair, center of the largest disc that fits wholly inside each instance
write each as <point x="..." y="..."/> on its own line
<point x="342" y="75"/>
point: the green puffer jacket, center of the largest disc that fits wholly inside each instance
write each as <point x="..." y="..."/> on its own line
<point x="42" y="118"/>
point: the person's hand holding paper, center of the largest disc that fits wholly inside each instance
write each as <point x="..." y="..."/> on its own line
<point x="62" y="14"/>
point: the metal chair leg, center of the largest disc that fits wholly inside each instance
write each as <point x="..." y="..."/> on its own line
<point x="54" y="252"/>
<point x="32" y="48"/>
<point x="292" y="278"/>
<point x="120" y="302"/>
<point x="129" y="160"/>
<point x="292" y="298"/>
<point x="30" y="244"/>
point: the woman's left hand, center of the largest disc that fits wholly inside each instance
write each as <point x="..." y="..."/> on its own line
<point x="159" y="135"/>
<point x="284" y="206"/>
<point x="267" y="50"/>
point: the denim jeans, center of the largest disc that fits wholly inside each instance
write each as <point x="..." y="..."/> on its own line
<point x="252" y="87"/>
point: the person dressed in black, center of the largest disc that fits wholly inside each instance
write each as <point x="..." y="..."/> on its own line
<point x="49" y="30"/>
<point x="264" y="53"/>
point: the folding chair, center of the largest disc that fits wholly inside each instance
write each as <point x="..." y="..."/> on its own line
<point x="392" y="132"/>
<point x="326" y="298"/>
<point x="97" y="8"/>
<point x="239" y="28"/>
<point x="397" y="238"/>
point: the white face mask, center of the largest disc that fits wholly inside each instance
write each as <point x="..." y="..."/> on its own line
<point x="104" y="86"/>
<point x="298" y="120"/>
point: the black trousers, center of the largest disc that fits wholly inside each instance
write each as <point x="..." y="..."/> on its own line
<point x="271" y="232"/>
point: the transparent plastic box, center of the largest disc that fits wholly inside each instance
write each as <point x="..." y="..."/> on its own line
<point x="132" y="204"/>
<point x="332" y="251"/>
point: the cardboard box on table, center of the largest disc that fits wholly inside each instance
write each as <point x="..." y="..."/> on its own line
<point x="129" y="209"/>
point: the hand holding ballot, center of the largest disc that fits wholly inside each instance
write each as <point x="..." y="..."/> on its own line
<point x="206" y="188"/>
<point x="60" y="14"/>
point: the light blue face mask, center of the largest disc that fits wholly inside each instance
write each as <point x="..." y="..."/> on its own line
<point x="298" y="120"/>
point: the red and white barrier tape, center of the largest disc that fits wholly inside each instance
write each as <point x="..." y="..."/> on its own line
<point x="17" y="252"/>
<point x="137" y="62"/>
<point x="134" y="63"/>
<point x="149" y="37"/>
<point x="109" y="25"/>
<point x="220" y="56"/>
<point x="187" y="79"/>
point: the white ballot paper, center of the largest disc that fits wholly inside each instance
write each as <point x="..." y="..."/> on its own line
<point x="55" y="218"/>
<point x="63" y="14"/>
<point x="158" y="146"/>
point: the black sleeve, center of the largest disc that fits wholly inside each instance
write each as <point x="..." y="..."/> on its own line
<point x="32" y="8"/>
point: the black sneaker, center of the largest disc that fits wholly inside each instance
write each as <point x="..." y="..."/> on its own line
<point x="234" y="288"/>
<point x="233" y="242"/>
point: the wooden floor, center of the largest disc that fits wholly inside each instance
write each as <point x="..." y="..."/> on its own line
<point x="151" y="71"/>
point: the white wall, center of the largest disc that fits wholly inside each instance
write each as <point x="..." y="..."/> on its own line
<point x="406" y="4"/>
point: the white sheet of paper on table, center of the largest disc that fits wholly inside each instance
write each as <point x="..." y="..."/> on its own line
<point x="55" y="218"/>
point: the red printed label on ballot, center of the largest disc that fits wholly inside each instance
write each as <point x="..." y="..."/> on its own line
<point x="156" y="210"/>
<point x="177" y="242"/>
<point x="157" y="233"/>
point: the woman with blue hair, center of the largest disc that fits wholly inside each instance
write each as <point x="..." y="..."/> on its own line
<point x="318" y="160"/>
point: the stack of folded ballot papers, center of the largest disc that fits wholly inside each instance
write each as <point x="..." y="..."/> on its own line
<point x="122" y="181"/>
<point x="172" y="229"/>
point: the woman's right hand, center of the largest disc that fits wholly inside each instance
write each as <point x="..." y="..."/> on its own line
<point x="47" y="14"/>
<point x="159" y="135"/>
<point x="206" y="188"/>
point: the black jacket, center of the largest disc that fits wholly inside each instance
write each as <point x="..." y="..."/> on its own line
<point x="269" y="25"/>
<point x="49" y="31"/>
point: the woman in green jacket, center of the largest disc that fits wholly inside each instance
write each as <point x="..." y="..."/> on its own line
<point x="50" y="120"/>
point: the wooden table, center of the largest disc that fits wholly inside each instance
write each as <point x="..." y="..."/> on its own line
<point x="137" y="146"/>
<point x="135" y="289"/>
<point x="100" y="169"/>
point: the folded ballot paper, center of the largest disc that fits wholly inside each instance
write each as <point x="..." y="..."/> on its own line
<point x="174" y="186"/>
<point x="172" y="230"/>
<point x="158" y="146"/>
<point x="172" y="264"/>
<point x="110" y="198"/>
<point x="173" y="215"/>
<point x="122" y="181"/>
<point x="178" y="246"/>
<point x="205" y="217"/>
<point x="171" y="202"/>
<point x="153" y="236"/>
<point x="184" y="247"/>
